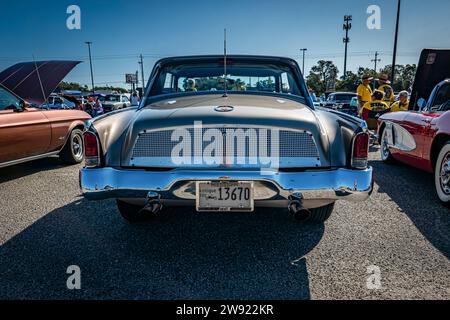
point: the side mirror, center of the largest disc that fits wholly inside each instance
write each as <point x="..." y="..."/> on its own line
<point x="422" y="103"/>
<point x="21" y="107"/>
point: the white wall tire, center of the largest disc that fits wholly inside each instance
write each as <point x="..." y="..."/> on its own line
<point x="442" y="175"/>
<point x="385" y="153"/>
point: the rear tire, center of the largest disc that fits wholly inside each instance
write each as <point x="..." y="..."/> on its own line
<point x="385" y="153"/>
<point x="72" y="152"/>
<point x="132" y="212"/>
<point x="442" y="175"/>
<point x="321" y="214"/>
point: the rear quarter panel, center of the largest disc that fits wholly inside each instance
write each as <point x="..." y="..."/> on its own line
<point x="62" y="122"/>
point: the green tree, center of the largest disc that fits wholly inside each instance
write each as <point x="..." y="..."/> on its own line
<point x="111" y="88"/>
<point x="322" y="77"/>
<point x="404" y="75"/>
<point x="350" y="83"/>
<point x="72" y="86"/>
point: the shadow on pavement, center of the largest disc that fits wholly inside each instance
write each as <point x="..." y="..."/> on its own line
<point x="180" y="255"/>
<point x="28" y="168"/>
<point x="414" y="193"/>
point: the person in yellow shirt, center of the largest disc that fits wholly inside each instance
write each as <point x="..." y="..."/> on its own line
<point x="364" y="91"/>
<point x="373" y="109"/>
<point x="385" y="87"/>
<point x="402" y="104"/>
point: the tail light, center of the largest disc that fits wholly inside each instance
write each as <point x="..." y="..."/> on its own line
<point x="360" y="151"/>
<point x="91" y="149"/>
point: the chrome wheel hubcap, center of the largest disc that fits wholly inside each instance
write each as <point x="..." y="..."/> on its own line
<point x="77" y="146"/>
<point x="445" y="174"/>
<point x="384" y="147"/>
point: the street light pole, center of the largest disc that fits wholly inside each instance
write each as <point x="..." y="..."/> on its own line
<point x="141" y="62"/>
<point x="90" y="63"/>
<point x="347" y="27"/>
<point x="395" y="42"/>
<point x="303" y="65"/>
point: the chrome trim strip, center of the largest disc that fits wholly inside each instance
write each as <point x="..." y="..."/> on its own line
<point x="346" y="184"/>
<point x="37" y="157"/>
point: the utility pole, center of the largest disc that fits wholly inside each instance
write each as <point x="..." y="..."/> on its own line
<point x="303" y="65"/>
<point x="347" y="27"/>
<point x="141" y="62"/>
<point x="395" y="42"/>
<point x="90" y="63"/>
<point x="375" y="67"/>
<point x="137" y="81"/>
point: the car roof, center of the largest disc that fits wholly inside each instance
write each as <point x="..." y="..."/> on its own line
<point x="241" y="57"/>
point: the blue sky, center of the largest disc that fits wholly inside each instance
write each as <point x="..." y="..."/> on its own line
<point x="121" y="30"/>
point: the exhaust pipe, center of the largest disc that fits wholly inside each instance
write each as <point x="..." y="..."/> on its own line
<point x="297" y="211"/>
<point x="153" y="205"/>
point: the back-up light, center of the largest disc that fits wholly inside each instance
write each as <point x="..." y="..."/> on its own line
<point x="91" y="150"/>
<point x="360" y="151"/>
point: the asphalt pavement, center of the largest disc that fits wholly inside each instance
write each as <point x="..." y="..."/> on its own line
<point x="396" y="245"/>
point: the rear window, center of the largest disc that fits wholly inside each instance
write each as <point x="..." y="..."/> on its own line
<point x="344" y="97"/>
<point x="209" y="77"/>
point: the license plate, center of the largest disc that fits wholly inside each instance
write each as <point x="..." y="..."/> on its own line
<point x="224" y="196"/>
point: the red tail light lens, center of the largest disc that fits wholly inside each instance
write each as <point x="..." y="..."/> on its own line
<point x="360" y="151"/>
<point x="91" y="149"/>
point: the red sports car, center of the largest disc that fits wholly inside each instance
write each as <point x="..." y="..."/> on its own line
<point x="422" y="138"/>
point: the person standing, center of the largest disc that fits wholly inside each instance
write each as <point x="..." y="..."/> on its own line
<point x="98" y="108"/>
<point x="385" y="87"/>
<point x="402" y="104"/>
<point x="134" y="99"/>
<point x="89" y="106"/>
<point x="312" y="95"/>
<point x="364" y="92"/>
<point x="373" y="109"/>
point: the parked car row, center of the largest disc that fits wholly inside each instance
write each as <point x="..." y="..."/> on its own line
<point x="182" y="145"/>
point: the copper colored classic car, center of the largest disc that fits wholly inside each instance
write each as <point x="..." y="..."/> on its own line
<point x="29" y="133"/>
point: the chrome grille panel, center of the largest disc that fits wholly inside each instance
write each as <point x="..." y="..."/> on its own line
<point x="297" y="148"/>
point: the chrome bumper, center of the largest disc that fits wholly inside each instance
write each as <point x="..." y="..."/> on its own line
<point x="325" y="186"/>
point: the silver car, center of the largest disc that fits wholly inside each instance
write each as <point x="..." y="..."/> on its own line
<point x="112" y="102"/>
<point x="226" y="134"/>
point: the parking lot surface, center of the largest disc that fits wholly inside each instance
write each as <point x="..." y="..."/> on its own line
<point x="401" y="235"/>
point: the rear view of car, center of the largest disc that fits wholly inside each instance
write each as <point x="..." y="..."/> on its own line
<point x="224" y="145"/>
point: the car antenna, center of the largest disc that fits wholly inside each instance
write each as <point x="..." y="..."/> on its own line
<point x="40" y="82"/>
<point x="225" y="62"/>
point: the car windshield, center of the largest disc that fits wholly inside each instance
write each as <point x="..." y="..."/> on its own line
<point x="112" y="98"/>
<point x="7" y="100"/>
<point x="241" y="76"/>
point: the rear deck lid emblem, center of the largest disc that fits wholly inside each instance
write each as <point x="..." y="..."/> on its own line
<point x="224" y="108"/>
